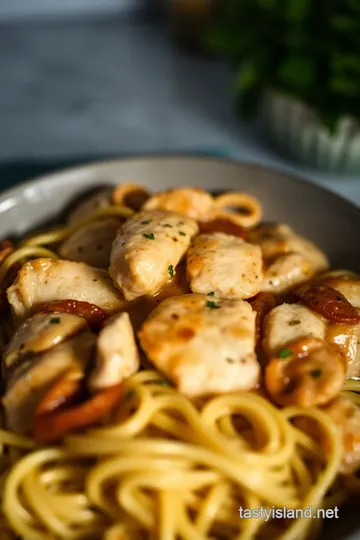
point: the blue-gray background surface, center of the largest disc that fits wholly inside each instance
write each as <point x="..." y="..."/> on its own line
<point x="91" y="87"/>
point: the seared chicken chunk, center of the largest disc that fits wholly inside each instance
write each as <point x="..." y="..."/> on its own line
<point x="32" y="374"/>
<point x="92" y="243"/>
<point x="346" y="337"/>
<point x="203" y="345"/>
<point x="99" y="199"/>
<point x="117" y="354"/>
<point x="289" y="258"/>
<point x="289" y="322"/>
<point x="47" y="280"/>
<point x="349" y="286"/>
<point x="224" y="264"/>
<point x="192" y="202"/>
<point x="41" y="332"/>
<point x="147" y="249"/>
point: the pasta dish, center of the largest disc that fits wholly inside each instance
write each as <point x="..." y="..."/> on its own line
<point x="168" y="359"/>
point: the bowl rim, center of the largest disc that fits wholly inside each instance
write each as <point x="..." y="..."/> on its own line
<point x="297" y="179"/>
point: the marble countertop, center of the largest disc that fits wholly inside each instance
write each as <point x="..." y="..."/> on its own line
<point x="115" y="86"/>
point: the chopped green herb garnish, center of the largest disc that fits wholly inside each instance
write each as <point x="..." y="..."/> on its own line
<point x="55" y="320"/>
<point x="171" y="270"/>
<point x="284" y="353"/>
<point x="130" y="394"/>
<point x="167" y="225"/>
<point x="212" y="305"/>
<point x="230" y="360"/>
<point x="149" y="236"/>
<point x="182" y="233"/>
<point x="146" y="222"/>
<point x="316" y="373"/>
<point x="163" y="382"/>
<point x="294" y="323"/>
<point x="212" y="293"/>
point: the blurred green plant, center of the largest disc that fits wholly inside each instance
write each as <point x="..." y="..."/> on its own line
<point x="306" y="49"/>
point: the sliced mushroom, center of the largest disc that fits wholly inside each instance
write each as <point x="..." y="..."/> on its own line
<point x="348" y="286"/>
<point x="307" y="373"/>
<point x="92" y="243"/>
<point x="117" y="354"/>
<point x="47" y="280"/>
<point x="27" y="384"/>
<point x="100" y="199"/>
<point x="41" y="332"/>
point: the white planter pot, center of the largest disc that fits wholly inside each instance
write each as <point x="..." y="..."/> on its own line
<point x="294" y="127"/>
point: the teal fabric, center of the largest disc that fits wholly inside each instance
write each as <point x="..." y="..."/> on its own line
<point x="13" y="173"/>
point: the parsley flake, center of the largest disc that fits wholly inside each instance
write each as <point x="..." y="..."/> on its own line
<point x="212" y="293"/>
<point x="149" y="236"/>
<point x="230" y="361"/>
<point x="182" y="233"/>
<point x="294" y="322"/>
<point x="212" y="305"/>
<point x="171" y="270"/>
<point x="284" y="353"/>
<point x="130" y="394"/>
<point x="316" y="373"/>
<point x="146" y="222"/>
<point x="163" y="382"/>
<point x="55" y="320"/>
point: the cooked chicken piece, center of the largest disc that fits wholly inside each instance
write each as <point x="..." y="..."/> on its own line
<point x="92" y="243"/>
<point x="285" y="272"/>
<point x="288" y="323"/>
<point x="41" y="332"/>
<point x="289" y="258"/>
<point x="99" y="199"/>
<point x="31" y="376"/>
<point x="203" y="345"/>
<point x="346" y="416"/>
<point x="147" y="249"/>
<point x="225" y="265"/>
<point x="346" y="337"/>
<point x="117" y="354"/>
<point x="341" y="273"/>
<point x="192" y="202"/>
<point x="349" y="287"/>
<point x="46" y="280"/>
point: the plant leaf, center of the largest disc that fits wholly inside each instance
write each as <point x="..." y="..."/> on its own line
<point x="298" y="72"/>
<point x="346" y="86"/>
<point x="297" y="10"/>
<point x="248" y="76"/>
